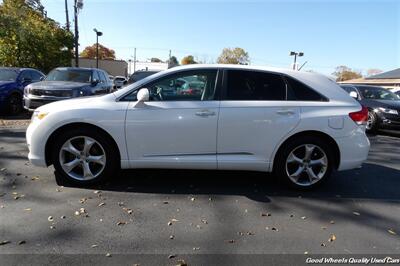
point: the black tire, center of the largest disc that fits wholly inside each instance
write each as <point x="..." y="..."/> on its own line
<point x="373" y="123"/>
<point x="111" y="165"/>
<point x="281" y="158"/>
<point x="14" y="104"/>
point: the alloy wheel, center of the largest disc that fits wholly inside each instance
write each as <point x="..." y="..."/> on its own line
<point x="82" y="158"/>
<point x="306" y="165"/>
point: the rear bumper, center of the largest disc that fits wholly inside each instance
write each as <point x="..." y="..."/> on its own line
<point x="353" y="150"/>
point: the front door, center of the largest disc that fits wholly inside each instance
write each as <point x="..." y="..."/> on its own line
<point x="177" y="128"/>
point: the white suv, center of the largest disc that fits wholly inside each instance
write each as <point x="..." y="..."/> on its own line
<point x="298" y="125"/>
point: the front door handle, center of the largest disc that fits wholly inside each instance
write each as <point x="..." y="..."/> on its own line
<point x="285" y="112"/>
<point x="205" y="113"/>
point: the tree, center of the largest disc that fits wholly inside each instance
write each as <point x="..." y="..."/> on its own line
<point x="29" y="39"/>
<point x="373" y="71"/>
<point x="237" y="56"/>
<point x="104" y="52"/>
<point x="155" y="60"/>
<point x="187" y="60"/>
<point x="173" y="62"/>
<point x="343" y="73"/>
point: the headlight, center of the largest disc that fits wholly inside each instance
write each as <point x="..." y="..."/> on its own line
<point x="38" y="115"/>
<point x="388" y="111"/>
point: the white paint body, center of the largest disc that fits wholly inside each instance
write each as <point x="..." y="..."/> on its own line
<point x="235" y="135"/>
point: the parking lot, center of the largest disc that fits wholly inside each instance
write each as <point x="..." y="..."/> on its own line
<point x="180" y="213"/>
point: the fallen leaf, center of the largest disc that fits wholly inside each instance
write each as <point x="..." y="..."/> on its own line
<point x="231" y="241"/>
<point x="27" y="209"/>
<point x="303" y="217"/>
<point x="171" y="256"/>
<point x="121" y="223"/>
<point x="332" y="238"/>
<point x="391" y="231"/>
<point x="93" y="246"/>
<point x="35" y="178"/>
<point x="323" y="245"/>
<point x="21" y="242"/>
<point x="174" y="220"/>
<point x="171" y="237"/>
<point x="63" y="217"/>
<point x="192" y="199"/>
<point x="181" y="263"/>
<point x="101" y="204"/>
<point x="274" y="229"/>
<point x="356" y="213"/>
<point x="332" y="222"/>
<point x="50" y="218"/>
<point x="5" y="242"/>
<point x="108" y="255"/>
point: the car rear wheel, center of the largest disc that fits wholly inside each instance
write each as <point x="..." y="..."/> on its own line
<point x="83" y="157"/>
<point x="304" y="163"/>
<point x="372" y="122"/>
<point x="14" y="104"/>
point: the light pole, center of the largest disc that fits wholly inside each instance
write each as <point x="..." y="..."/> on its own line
<point x="98" y="33"/>
<point x="78" y="4"/>
<point x="295" y="54"/>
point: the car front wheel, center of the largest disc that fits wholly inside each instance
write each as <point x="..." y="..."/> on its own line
<point x="83" y="157"/>
<point x="304" y="163"/>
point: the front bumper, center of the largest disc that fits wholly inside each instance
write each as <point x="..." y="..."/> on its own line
<point x="33" y="102"/>
<point x="36" y="146"/>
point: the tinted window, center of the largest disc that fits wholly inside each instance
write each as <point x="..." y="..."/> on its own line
<point x="298" y="91"/>
<point x="26" y="75"/>
<point x="75" y="75"/>
<point x="8" y="75"/>
<point x="36" y="76"/>
<point x="377" y="93"/>
<point x="249" y="85"/>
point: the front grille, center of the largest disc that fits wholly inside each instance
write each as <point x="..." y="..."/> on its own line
<point x="52" y="93"/>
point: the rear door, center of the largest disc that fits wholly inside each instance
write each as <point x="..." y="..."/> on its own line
<point x="254" y="116"/>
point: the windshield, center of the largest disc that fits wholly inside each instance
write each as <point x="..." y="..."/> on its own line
<point x="377" y="93"/>
<point x="8" y="75"/>
<point x="73" y="75"/>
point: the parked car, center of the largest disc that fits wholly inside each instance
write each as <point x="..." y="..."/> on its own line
<point x="119" y="82"/>
<point x="65" y="83"/>
<point x="298" y="125"/>
<point x="139" y="75"/>
<point x="12" y="83"/>
<point x="383" y="105"/>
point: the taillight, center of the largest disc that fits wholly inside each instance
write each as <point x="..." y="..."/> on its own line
<point x="360" y="117"/>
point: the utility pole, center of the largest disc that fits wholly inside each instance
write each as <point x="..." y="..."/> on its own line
<point x="66" y="14"/>
<point x="134" y="61"/>
<point x="98" y="33"/>
<point x="169" y="59"/>
<point x="295" y="54"/>
<point x="76" y="33"/>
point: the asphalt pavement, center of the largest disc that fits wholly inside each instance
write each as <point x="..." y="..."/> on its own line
<point x="177" y="214"/>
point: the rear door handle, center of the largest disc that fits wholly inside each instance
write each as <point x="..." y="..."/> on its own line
<point x="285" y="112"/>
<point x="205" y="113"/>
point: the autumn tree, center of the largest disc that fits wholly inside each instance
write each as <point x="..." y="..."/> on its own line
<point x="236" y="56"/>
<point x="173" y="62"/>
<point x="29" y="39"/>
<point x="104" y="52"/>
<point x="343" y="73"/>
<point x="187" y="60"/>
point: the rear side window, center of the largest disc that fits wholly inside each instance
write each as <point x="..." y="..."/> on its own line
<point x="255" y="86"/>
<point x="297" y="91"/>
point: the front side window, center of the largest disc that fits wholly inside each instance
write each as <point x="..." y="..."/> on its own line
<point x="196" y="85"/>
<point x="377" y="93"/>
<point x="255" y="86"/>
<point x="36" y="76"/>
<point x="74" y="75"/>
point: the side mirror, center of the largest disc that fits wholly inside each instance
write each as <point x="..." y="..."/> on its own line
<point x="353" y="94"/>
<point x="143" y="95"/>
<point x="95" y="82"/>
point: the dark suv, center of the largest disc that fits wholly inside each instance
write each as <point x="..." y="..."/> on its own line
<point x="67" y="82"/>
<point x="12" y="83"/>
